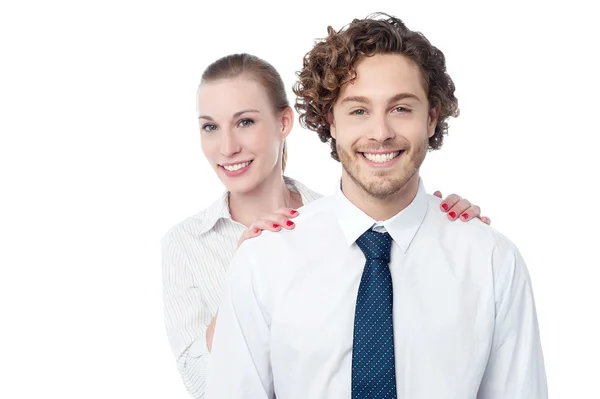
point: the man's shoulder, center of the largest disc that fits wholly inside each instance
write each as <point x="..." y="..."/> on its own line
<point x="474" y="243"/>
<point x="310" y="220"/>
<point x="474" y="232"/>
<point x="312" y="211"/>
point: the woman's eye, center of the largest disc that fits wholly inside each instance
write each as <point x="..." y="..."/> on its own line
<point x="246" y="122"/>
<point x="209" y="128"/>
<point x="358" y="112"/>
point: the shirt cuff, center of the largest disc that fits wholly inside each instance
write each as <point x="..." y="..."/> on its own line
<point x="198" y="348"/>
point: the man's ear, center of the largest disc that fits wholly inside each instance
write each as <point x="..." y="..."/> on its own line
<point x="432" y="120"/>
<point x="331" y="122"/>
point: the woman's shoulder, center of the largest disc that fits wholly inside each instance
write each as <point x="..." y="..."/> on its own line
<point x="190" y="225"/>
<point x="201" y="222"/>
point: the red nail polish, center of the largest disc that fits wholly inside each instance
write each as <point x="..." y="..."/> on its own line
<point x="275" y="225"/>
<point x="293" y="212"/>
<point x="452" y="214"/>
<point x="256" y="231"/>
<point x="445" y="207"/>
<point x="289" y="223"/>
<point x="464" y="216"/>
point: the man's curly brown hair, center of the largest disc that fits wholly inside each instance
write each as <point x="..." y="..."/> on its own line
<point x="331" y="64"/>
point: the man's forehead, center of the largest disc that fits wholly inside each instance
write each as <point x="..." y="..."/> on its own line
<point x="385" y="76"/>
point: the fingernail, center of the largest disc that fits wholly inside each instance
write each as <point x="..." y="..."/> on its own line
<point x="289" y="223"/>
<point x="275" y="225"/>
<point x="293" y="212"/>
<point x="464" y="216"/>
<point x="445" y="207"/>
<point x="256" y="231"/>
<point x="452" y="214"/>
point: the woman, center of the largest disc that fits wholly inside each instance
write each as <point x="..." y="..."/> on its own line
<point x="244" y="118"/>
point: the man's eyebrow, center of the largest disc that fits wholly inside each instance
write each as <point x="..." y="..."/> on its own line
<point x="402" y="96"/>
<point x="356" y="99"/>
<point x="365" y="100"/>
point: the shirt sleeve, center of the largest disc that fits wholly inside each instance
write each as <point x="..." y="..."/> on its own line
<point x="240" y="363"/>
<point x="186" y="318"/>
<point x="515" y="368"/>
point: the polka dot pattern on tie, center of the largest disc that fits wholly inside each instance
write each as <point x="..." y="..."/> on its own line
<point x="373" y="369"/>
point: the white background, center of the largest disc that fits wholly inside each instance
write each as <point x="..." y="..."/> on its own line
<point x="100" y="156"/>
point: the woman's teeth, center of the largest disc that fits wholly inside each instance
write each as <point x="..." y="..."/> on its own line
<point x="237" y="166"/>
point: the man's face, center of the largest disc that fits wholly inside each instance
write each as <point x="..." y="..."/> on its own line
<point x="382" y="123"/>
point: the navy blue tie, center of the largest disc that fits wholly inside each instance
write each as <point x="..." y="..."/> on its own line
<point x="373" y="370"/>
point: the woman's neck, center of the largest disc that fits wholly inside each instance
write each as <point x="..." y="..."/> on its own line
<point x="271" y="195"/>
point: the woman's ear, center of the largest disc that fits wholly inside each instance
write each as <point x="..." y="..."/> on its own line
<point x="286" y="119"/>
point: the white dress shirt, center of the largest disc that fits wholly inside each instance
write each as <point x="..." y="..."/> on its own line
<point x="196" y="254"/>
<point x="465" y="323"/>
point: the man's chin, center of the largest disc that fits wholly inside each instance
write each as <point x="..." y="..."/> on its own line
<point x="382" y="193"/>
<point x="377" y="187"/>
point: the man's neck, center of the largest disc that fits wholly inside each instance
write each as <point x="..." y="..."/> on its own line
<point x="266" y="198"/>
<point x="376" y="208"/>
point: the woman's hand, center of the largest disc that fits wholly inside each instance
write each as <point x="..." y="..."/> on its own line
<point x="460" y="208"/>
<point x="273" y="222"/>
<point x="210" y="333"/>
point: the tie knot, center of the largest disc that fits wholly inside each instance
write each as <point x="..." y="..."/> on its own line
<point x="375" y="245"/>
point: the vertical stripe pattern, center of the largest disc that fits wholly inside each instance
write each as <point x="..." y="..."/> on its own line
<point x="196" y="254"/>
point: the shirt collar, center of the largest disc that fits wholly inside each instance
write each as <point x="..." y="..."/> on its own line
<point x="402" y="227"/>
<point x="219" y="209"/>
<point x="216" y="211"/>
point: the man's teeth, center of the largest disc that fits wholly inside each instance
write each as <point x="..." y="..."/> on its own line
<point x="237" y="166"/>
<point x="380" y="158"/>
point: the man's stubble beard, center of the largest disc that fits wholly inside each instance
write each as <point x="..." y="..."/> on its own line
<point x="385" y="184"/>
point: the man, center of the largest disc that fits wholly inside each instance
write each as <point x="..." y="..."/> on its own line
<point x="373" y="294"/>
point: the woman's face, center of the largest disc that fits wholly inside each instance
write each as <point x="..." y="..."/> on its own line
<point x="241" y="134"/>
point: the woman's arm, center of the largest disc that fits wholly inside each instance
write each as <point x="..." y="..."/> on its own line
<point x="187" y="318"/>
